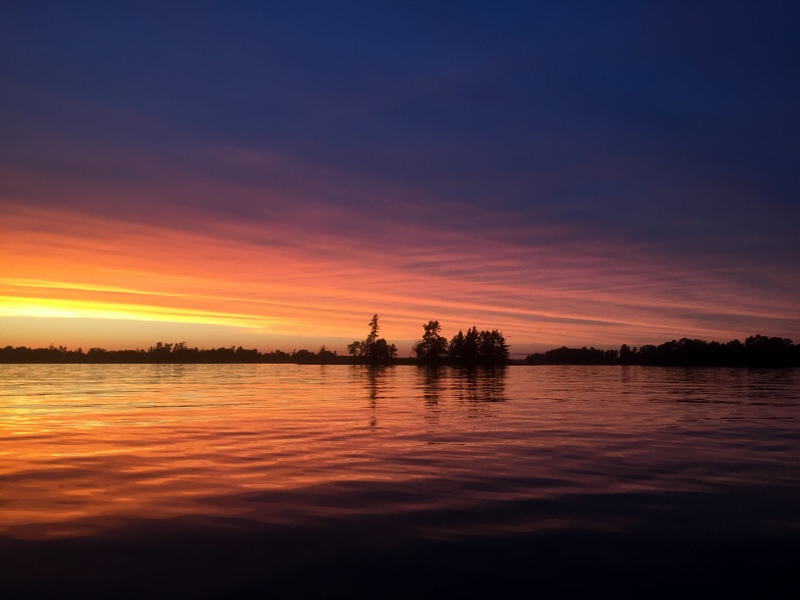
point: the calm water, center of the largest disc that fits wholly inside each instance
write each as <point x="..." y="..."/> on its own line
<point x="339" y="481"/>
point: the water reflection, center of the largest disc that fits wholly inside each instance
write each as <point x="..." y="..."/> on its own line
<point x="432" y="383"/>
<point x="87" y="445"/>
<point x="376" y="376"/>
<point x="479" y="385"/>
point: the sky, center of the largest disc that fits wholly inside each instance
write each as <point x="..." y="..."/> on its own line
<point x="272" y="174"/>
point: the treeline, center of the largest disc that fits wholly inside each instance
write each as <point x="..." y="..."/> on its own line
<point x="756" y="351"/>
<point x="487" y="347"/>
<point x="166" y="353"/>
<point x="372" y="350"/>
<point x="471" y="348"/>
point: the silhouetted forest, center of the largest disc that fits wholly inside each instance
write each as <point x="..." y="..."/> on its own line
<point x="471" y="348"/>
<point x="166" y="353"/>
<point x="372" y="350"/>
<point x="756" y="351"/>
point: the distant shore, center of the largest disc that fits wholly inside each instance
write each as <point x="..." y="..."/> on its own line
<point x="755" y="351"/>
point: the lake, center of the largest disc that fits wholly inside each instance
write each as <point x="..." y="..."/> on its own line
<point x="250" y="481"/>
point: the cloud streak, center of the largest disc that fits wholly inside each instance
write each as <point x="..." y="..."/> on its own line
<point x="580" y="176"/>
<point x="283" y="278"/>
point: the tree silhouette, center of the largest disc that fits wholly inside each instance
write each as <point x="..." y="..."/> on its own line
<point x="356" y="348"/>
<point x="756" y="351"/>
<point x="373" y="349"/>
<point x="433" y="346"/>
<point x="473" y="348"/>
<point x="463" y="348"/>
<point x="382" y="351"/>
<point x="478" y="348"/>
<point x="492" y="348"/>
<point x="373" y="332"/>
<point x="455" y="349"/>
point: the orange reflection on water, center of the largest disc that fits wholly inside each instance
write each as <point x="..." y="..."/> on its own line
<point x="85" y="447"/>
<point x="78" y="444"/>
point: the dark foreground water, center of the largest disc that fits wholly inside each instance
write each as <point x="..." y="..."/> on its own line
<point x="241" y="481"/>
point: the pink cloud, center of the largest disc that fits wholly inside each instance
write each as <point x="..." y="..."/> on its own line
<point x="292" y="247"/>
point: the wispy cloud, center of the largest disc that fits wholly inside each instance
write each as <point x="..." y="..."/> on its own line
<point x="286" y="276"/>
<point x="559" y="175"/>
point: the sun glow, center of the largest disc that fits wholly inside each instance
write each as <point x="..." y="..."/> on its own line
<point x="270" y="280"/>
<point x="42" y="307"/>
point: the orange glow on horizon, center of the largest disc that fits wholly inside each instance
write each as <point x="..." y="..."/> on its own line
<point x="275" y="280"/>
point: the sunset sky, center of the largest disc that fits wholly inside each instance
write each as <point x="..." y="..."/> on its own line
<point x="272" y="174"/>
